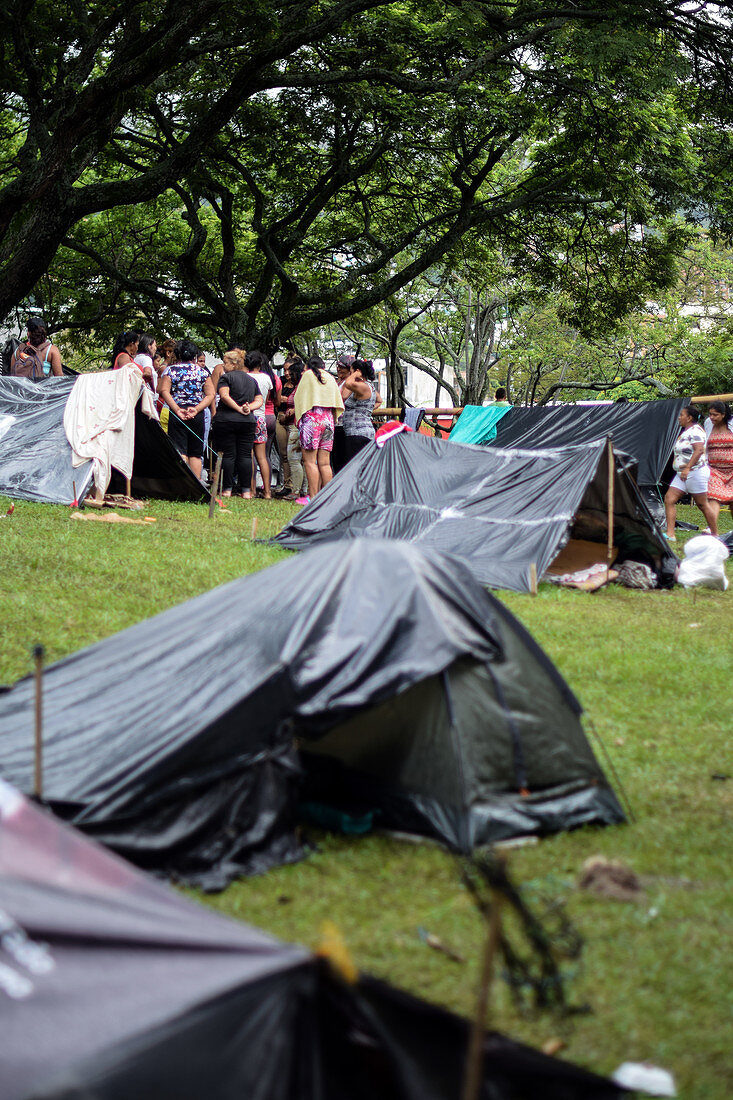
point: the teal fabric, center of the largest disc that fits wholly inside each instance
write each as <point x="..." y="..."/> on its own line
<point x="477" y="424"/>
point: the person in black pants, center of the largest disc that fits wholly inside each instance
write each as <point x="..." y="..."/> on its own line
<point x="234" y="423"/>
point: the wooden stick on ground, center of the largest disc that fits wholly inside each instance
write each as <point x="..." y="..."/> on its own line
<point x="38" y="753"/>
<point x="213" y="489"/>
<point x="474" y="1061"/>
<point x="611" y="484"/>
<point x="533" y="577"/>
<point x="220" y="479"/>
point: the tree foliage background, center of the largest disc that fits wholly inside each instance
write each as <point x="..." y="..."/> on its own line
<point x="260" y="172"/>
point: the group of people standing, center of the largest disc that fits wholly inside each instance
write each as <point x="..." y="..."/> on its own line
<point x="703" y="464"/>
<point x="317" y="422"/>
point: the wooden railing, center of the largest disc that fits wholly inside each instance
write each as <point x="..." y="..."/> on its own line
<point x="455" y="412"/>
<point x="389" y="413"/>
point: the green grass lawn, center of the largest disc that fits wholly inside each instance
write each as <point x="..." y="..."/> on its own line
<point x="654" y="672"/>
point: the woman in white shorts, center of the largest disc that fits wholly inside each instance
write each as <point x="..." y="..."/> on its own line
<point x="692" y="471"/>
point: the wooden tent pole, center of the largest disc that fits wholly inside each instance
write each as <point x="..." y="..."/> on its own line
<point x="611" y="486"/>
<point x="38" y="753"/>
<point x="474" y="1061"/>
<point x="214" y="489"/>
<point x="713" y="397"/>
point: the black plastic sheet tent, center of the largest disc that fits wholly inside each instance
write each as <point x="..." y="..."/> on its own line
<point x="114" y="987"/>
<point x="390" y="666"/>
<point x="35" y="455"/>
<point x="503" y="512"/>
<point x="646" y="430"/>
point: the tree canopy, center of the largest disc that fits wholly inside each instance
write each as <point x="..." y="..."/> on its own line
<point x="259" y="170"/>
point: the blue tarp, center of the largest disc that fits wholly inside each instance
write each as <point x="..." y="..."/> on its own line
<point x="477" y="424"/>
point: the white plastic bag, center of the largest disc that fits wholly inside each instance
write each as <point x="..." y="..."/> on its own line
<point x="644" y="1077"/>
<point x="703" y="563"/>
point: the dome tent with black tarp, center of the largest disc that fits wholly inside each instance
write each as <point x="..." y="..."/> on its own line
<point x="380" y="660"/>
<point x="506" y="513"/>
<point x="113" y="987"/>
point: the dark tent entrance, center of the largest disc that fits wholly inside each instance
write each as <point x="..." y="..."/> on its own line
<point x="480" y="753"/>
<point x="158" y="471"/>
<point x="613" y="514"/>
<point x="36" y="457"/>
<point x="506" y="514"/>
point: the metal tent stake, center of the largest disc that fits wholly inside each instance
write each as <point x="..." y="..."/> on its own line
<point x="611" y="485"/>
<point x="38" y="756"/>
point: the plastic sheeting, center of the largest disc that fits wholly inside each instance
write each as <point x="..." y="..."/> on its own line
<point x="478" y="425"/>
<point x="190" y="767"/>
<point x="703" y="565"/>
<point x="501" y="511"/>
<point x="113" y="987"/>
<point x="644" y="429"/>
<point x="36" y="457"/>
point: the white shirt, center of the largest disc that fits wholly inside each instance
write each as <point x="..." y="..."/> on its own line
<point x="684" y="446"/>
<point x="144" y="361"/>
<point x="265" y="385"/>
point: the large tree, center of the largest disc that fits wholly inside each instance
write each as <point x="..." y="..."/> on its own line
<point x="321" y="157"/>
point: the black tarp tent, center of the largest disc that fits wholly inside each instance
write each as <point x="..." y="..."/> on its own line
<point x="390" y="666"/>
<point x="500" y="511"/>
<point x="113" y="987"/>
<point x="35" y="455"/>
<point x="646" y="430"/>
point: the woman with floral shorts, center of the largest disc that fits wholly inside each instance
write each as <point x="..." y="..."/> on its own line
<point x="316" y="430"/>
<point x="317" y="399"/>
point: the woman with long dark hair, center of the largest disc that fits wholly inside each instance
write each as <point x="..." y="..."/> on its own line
<point x="259" y="367"/>
<point x="38" y="357"/>
<point x="187" y="390"/>
<point x="719" y="430"/>
<point x="272" y="404"/>
<point x="282" y="428"/>
<point x="286" y="417"/>
<point x="125" y="349"/>
<point x="317" y="402"/>
<point x="146" y="350"/>
<point x="359" y="391"/>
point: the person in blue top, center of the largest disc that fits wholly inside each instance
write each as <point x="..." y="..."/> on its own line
<point x="187" y="390"/>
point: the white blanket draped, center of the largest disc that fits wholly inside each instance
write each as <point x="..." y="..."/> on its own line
<point x="99" y="421"/>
